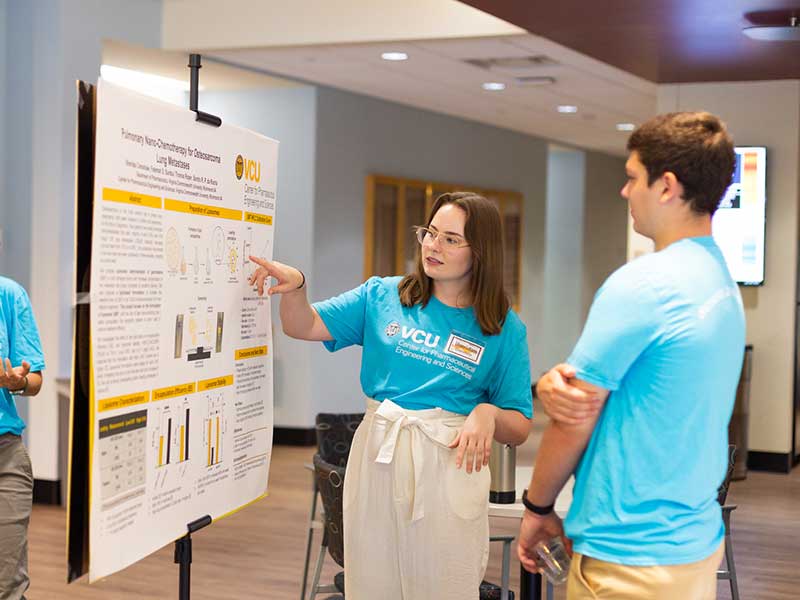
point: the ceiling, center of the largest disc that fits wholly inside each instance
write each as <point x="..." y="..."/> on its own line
<point x="437" y="77"/>
<point x="664" y="41"/>
<point x="173" y="64"/>
<point x="605" y="57"/>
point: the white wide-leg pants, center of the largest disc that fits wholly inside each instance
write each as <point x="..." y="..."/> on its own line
<point x="415" y="527"/>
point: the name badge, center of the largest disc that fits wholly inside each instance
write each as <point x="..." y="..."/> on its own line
<point x="469" y="351"/>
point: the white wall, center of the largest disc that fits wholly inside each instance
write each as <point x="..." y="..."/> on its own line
<point x="605" y="216"/>
<point x="53" y="42"/>
<point x="563" y="262"/>
<point x="767" y="114"/>
<point x="212" y="24"/>
<point x="288" y="115"/>
<point x="586" y="242"/>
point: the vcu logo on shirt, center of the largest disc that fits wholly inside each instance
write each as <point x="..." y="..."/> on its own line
<point x="392" y="329"/>
<point x="418" y="336"/>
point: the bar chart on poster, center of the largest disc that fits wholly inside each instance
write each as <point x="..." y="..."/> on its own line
<point x="180" y="415"/>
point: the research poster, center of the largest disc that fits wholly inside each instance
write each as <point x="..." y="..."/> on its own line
<point x="181" y="347"/>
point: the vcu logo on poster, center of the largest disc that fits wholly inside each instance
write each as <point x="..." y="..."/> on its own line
<point x="251" y="169"/>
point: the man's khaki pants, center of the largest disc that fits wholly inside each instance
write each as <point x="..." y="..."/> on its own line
<point x="593" y="579"/>
<point x="16" y="497"/>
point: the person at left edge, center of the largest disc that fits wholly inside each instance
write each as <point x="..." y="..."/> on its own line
<point x="445" y="367"/>
<point x="20" y="375"/>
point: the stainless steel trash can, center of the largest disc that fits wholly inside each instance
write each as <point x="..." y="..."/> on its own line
<point x="503" y="465"/>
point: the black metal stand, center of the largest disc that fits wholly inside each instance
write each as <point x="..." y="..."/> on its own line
<point x="530" y="585"/>
<point x="183" y="546"/>
<point x="183" y="556"/>
<point x="194" y="83"/>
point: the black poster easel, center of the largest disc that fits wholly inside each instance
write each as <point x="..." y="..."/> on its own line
<point x="183" y="546"/>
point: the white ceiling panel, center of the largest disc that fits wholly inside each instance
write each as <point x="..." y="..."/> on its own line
<point x="436" y="77"/>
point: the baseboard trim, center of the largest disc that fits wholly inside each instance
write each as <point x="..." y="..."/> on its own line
<point x="772" y="462"/>
<point x="47" y="491"/>
<point x="294" y="436"/>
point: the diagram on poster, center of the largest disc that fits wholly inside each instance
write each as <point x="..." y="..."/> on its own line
<point x="204" y="327"/>
<point x="181" y="361"/>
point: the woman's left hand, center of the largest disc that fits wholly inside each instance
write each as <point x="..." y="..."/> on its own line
<point x="474" y="441"/>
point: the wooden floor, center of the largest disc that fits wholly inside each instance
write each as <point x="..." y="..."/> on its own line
<point x="258" y="552"/>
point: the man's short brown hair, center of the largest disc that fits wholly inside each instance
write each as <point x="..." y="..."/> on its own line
<point x="696" y="147"/>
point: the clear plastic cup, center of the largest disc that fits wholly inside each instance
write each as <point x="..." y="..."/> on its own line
<point x="553" y="560"/>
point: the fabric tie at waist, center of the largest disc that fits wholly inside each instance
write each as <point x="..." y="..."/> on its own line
<point x="434" y="427"/>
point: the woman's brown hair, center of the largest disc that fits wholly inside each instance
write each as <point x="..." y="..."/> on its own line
<point x="484" y="235"/>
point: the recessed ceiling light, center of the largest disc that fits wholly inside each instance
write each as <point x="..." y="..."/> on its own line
<point x="494" y="86"/>
<point x="625" y="126"/>
<point x="567" y="109"/>
<point x="394" y="56"/>
<point x="775" y="33"/>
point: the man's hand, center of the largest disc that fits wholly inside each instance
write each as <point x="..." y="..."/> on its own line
<point x="13" y="378"/>
<point x="534" y="529"/>
<point x="475" y="438"/>
<point x="563" y="402"/>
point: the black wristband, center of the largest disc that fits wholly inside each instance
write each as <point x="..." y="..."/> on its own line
<point x="302" y="283"/>
<point x="538" y="510"/>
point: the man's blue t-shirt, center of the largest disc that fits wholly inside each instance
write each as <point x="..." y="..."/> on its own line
<point x="666" y="336"/>
<point x="432" y="356"/>
<point x="19" y="340"/>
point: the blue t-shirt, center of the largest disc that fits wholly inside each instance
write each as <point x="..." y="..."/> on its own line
<point x="19" y="340"/>
<point x="666" y="336"/>
<point x="436" y="356"/>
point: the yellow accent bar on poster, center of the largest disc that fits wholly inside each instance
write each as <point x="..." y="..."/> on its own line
<point x="160" y="450"/>
<point x="182" y="441"/>
<point x="250" y="352"/>
<point x="202" y="210"/>
<point x="173" y="391"/>
<point x="257" y="218"/>
<point x="209" y="442"/>
<point x="216" y="382"/>
<point x="123" y="401"/>
<point x="112" y="195"/>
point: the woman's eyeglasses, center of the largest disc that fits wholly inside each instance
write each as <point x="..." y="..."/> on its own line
<point x="448" y="240"/>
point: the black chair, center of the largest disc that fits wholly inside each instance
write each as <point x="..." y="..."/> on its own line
<point x="329" y="479"/>
<point x="335" y="433"/>
<point x="729" y="572"/>
<point x="335" y="436"/>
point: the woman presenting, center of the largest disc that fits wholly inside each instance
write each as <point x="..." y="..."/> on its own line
<point x="445" y="369"/>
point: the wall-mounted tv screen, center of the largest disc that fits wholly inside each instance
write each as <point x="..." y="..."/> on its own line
<point x="738" y="225"/>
